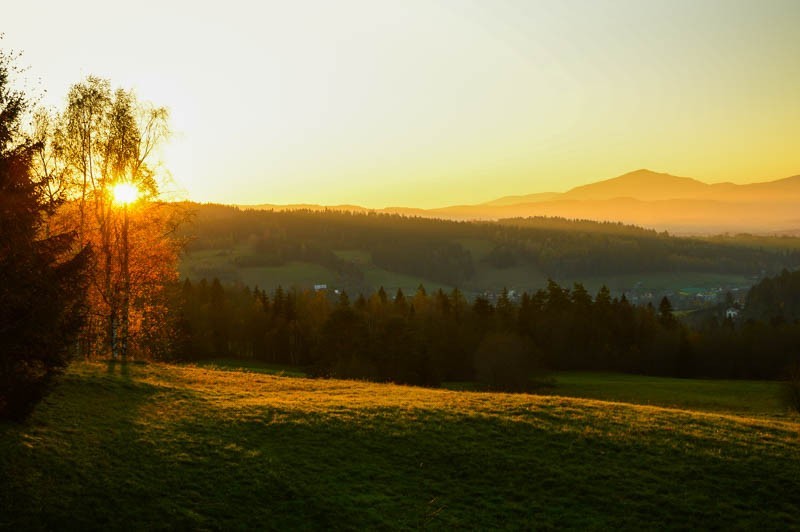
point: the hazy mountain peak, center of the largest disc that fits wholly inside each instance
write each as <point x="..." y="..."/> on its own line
<point x="644" y="173"/>
<point x="642" y="197"/>
<point x="642" y="184"/>
<point x="791" y="180"/>
<point x="526" y="198"/>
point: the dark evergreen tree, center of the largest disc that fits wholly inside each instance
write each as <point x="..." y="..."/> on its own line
<point x="219" y="320"/>
<point x="665" y="313"/>
<point x="42" y="278"/>
<point x="400" y="303"/>
<point x="506" y="311"/>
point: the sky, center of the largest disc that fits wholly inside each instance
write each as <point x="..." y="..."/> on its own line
<point x="430" y="103"/>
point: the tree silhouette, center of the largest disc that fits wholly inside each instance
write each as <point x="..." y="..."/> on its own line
<point x="665" y="313"/>
<point x="42" y="276"/>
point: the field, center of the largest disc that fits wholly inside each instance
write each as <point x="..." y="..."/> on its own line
<point x="221" y="263"/>
<point x="757" y="398"/>
<point x="375" y="277"/>
<point x="144" y="446"/>
<point x="739" y="397"/>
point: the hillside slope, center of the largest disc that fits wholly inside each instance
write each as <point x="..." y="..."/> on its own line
<point x="361" y="252"/>
<point x="148" y="446"/>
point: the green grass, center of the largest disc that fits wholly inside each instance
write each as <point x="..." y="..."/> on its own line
<point x="209" y="264"/>
<point x="235" y="364"/>
<point x="758" y="398"/>
<point x="391" y="281"/>
<point x="357" y="256"/>
<point x="519" y="278"/>
<point x="300" y="274"/>
<point x="376" y="277"/>
<point x="157" y="446"/>
<point x="221" y="263"/>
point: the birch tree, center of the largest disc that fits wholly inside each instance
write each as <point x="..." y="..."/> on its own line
<point x="107" y="138"/>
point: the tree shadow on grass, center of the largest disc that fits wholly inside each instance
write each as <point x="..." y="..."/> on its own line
<point x="111" y="453"/>
<point x="72" y="462"/>
<point x="122" y="367"/>
<point x="384" y="470"/>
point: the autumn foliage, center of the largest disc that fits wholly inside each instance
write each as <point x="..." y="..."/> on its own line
<point x="102" y="139"/>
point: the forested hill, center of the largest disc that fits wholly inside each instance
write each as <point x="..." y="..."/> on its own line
<point x="775" y="299"/>
<point x="465" y="254"/>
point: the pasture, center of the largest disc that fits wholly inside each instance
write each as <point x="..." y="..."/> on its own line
<point x="145" y="446"/>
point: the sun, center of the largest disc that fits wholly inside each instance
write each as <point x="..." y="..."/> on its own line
<point x="125" y="193"/>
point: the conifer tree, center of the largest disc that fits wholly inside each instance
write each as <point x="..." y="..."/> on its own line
<point x="42" y="276"/>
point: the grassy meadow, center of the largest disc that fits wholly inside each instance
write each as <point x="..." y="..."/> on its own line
<point x="741" y="397"/>
<point x="221" y="263"/>
<point x="149" y="446"/>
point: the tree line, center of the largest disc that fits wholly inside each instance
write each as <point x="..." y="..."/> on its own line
<point x="429" y="338"/>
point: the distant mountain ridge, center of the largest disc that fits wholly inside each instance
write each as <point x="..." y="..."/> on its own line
<point x="642" y="185"/>
<point x="528" y="198"/>
<point x="643" y="197"/>
<point x="647" y="185"/>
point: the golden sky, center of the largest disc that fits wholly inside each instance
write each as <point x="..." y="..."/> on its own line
<point x="430" y="103"/>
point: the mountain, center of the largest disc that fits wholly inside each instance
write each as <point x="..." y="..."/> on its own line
<point x="665" y="202"/>
<point x="642" y="185"/>
<point x="650" y="199"/>
<point x="516" y="200"/>
<point x="647" y="185"/>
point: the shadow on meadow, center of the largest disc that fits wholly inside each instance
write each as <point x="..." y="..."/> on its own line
<point x="484" y="472"/>
<point x="106" y="451"/>
<point x="110" y="450"/>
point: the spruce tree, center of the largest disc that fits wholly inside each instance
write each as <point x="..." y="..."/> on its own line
<point x="42" y="277"/>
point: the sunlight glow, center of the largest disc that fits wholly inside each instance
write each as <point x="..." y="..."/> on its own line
<point x="431" y="103"/>
<point x="125" y="193"/>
